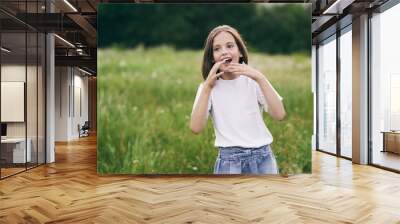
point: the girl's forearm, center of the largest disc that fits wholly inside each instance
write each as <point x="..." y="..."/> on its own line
<point x="275" y="105"/>
<point x="199" y="115"/>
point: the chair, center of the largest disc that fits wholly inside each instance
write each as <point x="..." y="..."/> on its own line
<point x="84" y="130"/>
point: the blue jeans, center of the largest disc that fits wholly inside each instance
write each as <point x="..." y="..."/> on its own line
<point x="238" y="160"/>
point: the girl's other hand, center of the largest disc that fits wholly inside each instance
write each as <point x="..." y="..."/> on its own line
<point x="244" y="69"/>
<point x="213" y="75"/>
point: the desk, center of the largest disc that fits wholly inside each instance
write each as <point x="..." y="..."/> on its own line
<point x="15" y="148"/>
<point x="391" y="141"/>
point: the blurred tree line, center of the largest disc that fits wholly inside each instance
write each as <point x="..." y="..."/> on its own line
<point x="270" y="28"/>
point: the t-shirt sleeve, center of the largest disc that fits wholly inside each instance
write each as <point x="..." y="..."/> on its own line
<point x="261" y="99"/>
<point x="197" y="99"/>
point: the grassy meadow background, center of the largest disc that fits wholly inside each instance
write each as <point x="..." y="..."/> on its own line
<point x="145" y="98"/>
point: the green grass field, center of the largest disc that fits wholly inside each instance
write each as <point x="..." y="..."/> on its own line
<point x="145" y="98"/>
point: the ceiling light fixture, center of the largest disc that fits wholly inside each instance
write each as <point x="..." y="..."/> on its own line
<point x="5" y="49"/>
<point x="64" y="40"/>
<point x="70" y="5"/>
<point x="79" y="51"/>
<point x="337" y="7"/>
<point x="84" y="71"/>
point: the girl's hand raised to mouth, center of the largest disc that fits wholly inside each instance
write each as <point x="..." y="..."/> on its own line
<point x="213" y="75"/>
<point x="244" y="69"/>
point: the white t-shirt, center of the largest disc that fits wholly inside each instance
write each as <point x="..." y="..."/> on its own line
<point x="236" y="108"/>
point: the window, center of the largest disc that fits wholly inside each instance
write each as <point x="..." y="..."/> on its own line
<point x="22" y="68"/>
<point x="346" y="92"/>
<point x="385" y="88"/>
<point x="327" y="95"/>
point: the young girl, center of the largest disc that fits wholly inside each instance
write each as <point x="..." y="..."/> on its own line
<point x="235" y="94"/>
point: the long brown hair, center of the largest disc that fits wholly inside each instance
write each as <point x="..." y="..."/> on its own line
<point x="208" y="58"/>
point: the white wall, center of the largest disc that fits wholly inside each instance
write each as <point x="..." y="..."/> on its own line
<point x="11" y="73"/>
<point x="71" y="93"/>
<point x="33" y="126"/>
<point x="62" y="81"/>
<point x="16" y="73"/>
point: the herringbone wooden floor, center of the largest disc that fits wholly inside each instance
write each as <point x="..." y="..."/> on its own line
<point x="70" y="191"/>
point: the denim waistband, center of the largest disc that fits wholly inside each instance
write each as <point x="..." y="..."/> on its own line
<point x="228" y="151"/>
